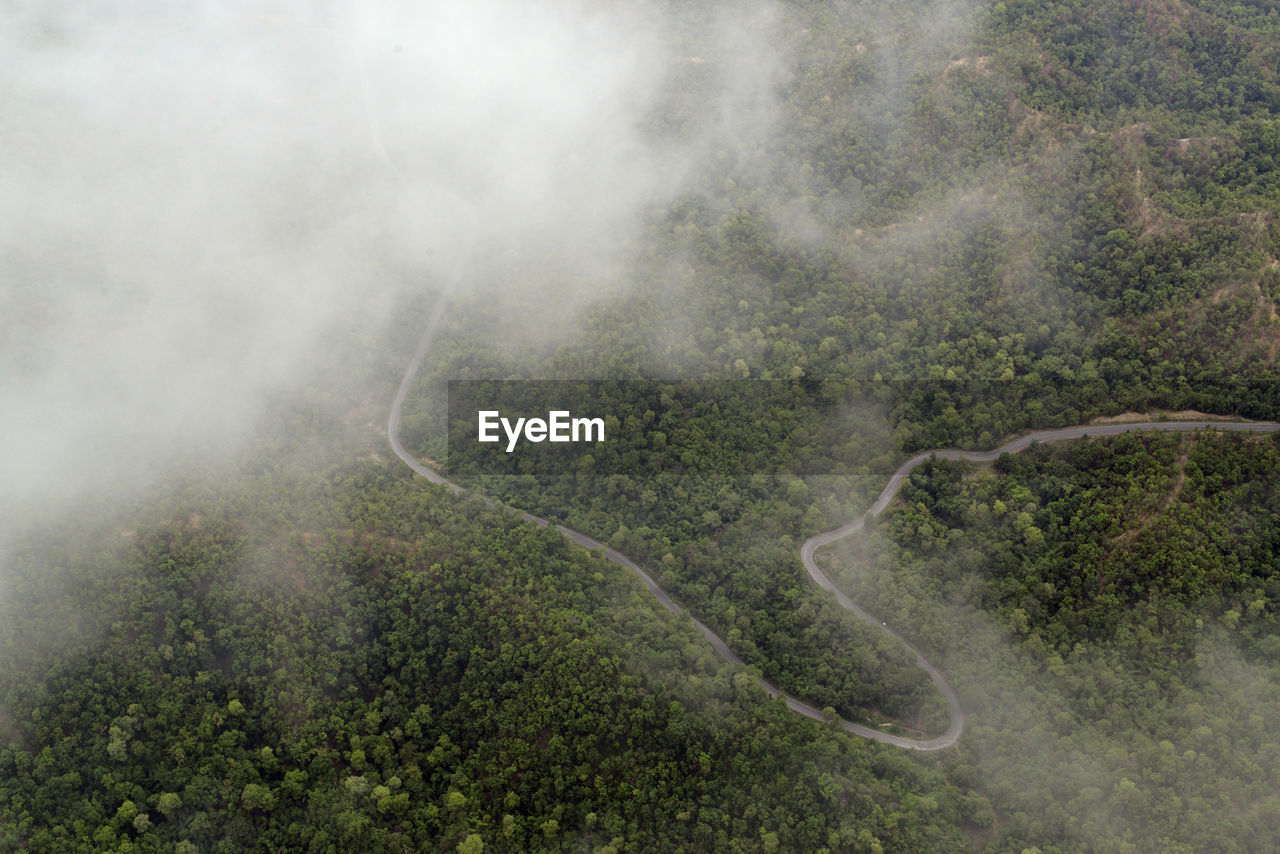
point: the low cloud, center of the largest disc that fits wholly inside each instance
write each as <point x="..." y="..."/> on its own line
<point x="197" y="196"/>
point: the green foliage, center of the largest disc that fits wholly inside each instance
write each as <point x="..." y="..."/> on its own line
<point x="937" y="243"/>
<point x="940" y="232"/>
<point x="1134" y="642"/>
<point x="417" y="672"/>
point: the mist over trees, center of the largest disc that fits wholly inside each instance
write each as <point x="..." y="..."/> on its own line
<point x="230" y="619"/>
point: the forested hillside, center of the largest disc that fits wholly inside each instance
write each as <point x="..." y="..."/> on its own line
<point x="929" y="224"/>
<point x="1108" y="608"/>
<point x="936" y="242"/>
<point x="398" y="672"/>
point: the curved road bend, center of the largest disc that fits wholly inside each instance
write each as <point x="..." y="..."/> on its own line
<point x="393" y="436"/>
<point x="955" y="714"/>
<point x="956" y="726"/>
<point x="890" y="491"/>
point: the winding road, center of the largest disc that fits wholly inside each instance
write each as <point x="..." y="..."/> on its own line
<point x="807" y="551"/>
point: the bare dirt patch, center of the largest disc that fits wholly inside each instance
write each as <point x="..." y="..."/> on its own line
<point x="979" y="64"/>
<point x="1159" y="415"/>
<point x="1263" y="326"/>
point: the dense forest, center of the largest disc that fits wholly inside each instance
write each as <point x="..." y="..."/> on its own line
<point x="396" y="672"/>
<point x="928" y="225"/>
<point x="1112" y="607"/>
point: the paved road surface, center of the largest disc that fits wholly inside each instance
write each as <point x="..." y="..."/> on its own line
<point x="956" y="726"/>
<point x="955" y="714"/>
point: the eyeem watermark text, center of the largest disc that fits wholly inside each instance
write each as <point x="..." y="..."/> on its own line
<point x="559" y="426"/>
